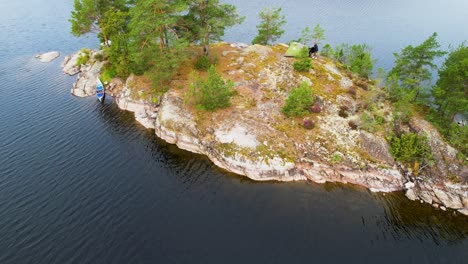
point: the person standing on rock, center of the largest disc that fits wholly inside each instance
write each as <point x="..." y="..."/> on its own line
<point x="315" y="50"/>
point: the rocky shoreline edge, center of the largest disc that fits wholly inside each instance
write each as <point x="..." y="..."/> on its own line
<point x="176" y="126"/>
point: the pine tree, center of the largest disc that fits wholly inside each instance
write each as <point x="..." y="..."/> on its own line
<point x="153" y="32"/>
<point x="413" y="67"/>
<point x="319" y="34"/>
<point x="451" y="90"/>
<point x="89" y="16"/>
<point x="207" y="20"/>
<point x="154" y="45"/>
<point x="270" y="27"/>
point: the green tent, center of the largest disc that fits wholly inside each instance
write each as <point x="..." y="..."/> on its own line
<point x="294" y="50"/>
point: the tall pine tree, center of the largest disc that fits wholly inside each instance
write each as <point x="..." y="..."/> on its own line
<point x="207" y="20"/>
<point x="451" y="90"/>
<point x="89" y="16"/>
<point x="412" y="71"/>
<point x="270" y="27"/>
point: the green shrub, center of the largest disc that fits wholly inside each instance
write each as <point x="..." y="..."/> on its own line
<point x="327" y="51"/>
<point x="99" y="57"/>
<point x="336" y="158"/>
<point x="203" y="63"/>
<point x="410" y="148"/>
<point x="304" y="63"/>
<point x="368" y="122"/>
<point x="83" y="58"/>
<point x="298" y="101"/>
<point x="454" y="134"/>
<point x="107" y="74"/>
<point x="212" y="93"/>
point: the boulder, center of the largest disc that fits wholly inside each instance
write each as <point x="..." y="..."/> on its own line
<point x="239" y="45"/>
<point x="48" y="56"/>
<point x="463" y="211"/>
<point x="69" y="64"/>
<point x="261" y="50"/>
<point x="411" y="195"/>
<point x="448" y="199"/>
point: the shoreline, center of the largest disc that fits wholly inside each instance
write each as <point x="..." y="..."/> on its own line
<point x="175" y="126"/>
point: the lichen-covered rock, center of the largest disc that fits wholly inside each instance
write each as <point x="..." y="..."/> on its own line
<point x="376" y="147"/>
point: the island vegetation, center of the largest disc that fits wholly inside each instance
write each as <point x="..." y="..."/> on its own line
<point x="168" y="41"/>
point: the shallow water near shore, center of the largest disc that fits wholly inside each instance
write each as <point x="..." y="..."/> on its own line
<point x="83" y="182"/>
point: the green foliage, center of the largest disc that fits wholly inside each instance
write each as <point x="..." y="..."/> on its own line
<point x="270" y="27"/>
<point x="152" y="35"/>
<point x="304" y="63"/>
<point x="411" y="72"/>
<point x="99" y="57"/>
<point x="90" y="15"/>
<point x="212" y="93"/>
<point x="451" y="90"/>
<point x="206" y="21"/>
<point x="360" y="61"/>
<point x="357" y="58"/>
<point x="306" y="36"/>
<point x="203" y="63"/>
<point x="319" y="34"/>
<point x="368" y="122"/>
<point x="165" y="66"/>
<point x="380" y="77"/>
<point x="336" y="158"/>
<point x="118" y="53"/>
<point x="107" y="74"/>
<point x="456" y="135"/>
<point x="327" y="51"/>
<point x="298" y="101"/>
<point x="83" y="58"/>
<point x="410" y="148"/>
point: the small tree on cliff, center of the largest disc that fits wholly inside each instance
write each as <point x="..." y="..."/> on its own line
<point x="319" y="34"/>
<point x="298" y="101"/>
<point x="213" y="92"/>
<point x="270" y="27"/>
<point x="412" y="71"/>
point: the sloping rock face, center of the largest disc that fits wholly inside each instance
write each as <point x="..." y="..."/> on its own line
<point x="432" y="185"/>
<point x="145" y="113"/>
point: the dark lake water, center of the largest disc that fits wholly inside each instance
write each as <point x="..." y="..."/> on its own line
<point x="82" y="182"/>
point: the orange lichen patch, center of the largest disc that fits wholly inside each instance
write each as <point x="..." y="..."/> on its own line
<point x="140" y="86"/>
<point x="278" y="48"/>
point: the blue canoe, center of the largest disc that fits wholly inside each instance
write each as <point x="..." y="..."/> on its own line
<point x="99" y="90"/>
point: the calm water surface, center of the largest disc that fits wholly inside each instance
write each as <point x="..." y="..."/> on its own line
<point x="82" y="182"/>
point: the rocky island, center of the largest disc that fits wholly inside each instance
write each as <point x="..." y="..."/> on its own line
<point x="252" y="137"/>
